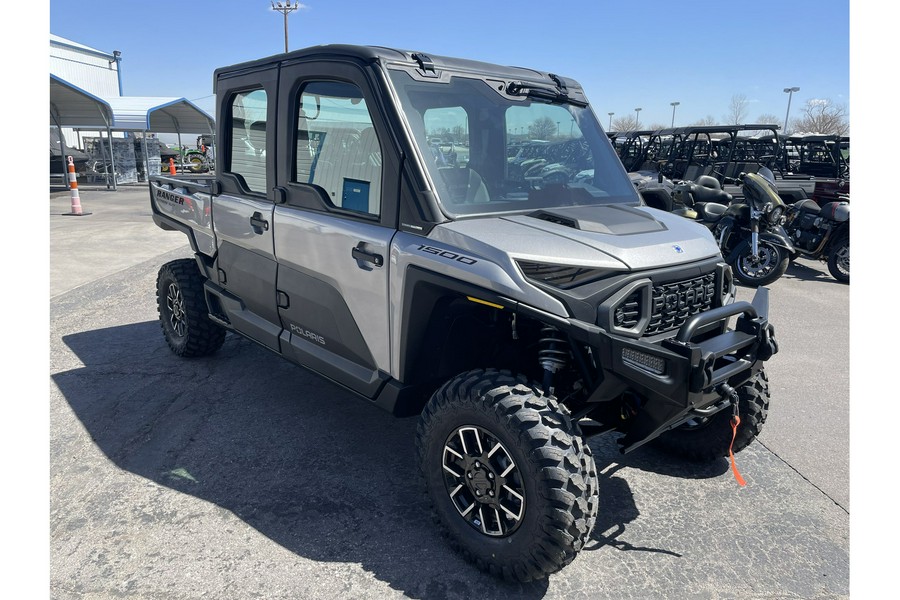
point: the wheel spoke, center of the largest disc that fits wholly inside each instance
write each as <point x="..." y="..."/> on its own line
<point x="453" y="452"/>
<point x="513" y="492"/>
<point x="451" y="471"/>
<point x="463" y="440"/>
<point x="496" y="447"/>
<point x="511" y="514"/>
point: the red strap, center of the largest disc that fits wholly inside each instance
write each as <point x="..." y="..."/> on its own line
<point x="735" y="421"/>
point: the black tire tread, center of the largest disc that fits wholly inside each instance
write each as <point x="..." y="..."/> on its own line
<point x="568" y="484"/>
<point x="203" y="335"/>
<point x="832" y="260"/>
<point x="768" y="279"/>
<point x="712" y="441"/>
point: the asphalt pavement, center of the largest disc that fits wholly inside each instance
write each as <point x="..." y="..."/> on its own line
<point x="241" y="475"/>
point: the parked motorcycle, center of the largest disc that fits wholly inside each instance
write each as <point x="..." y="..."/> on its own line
<point x="822" y="233"/>
<point x="749" y="232"/>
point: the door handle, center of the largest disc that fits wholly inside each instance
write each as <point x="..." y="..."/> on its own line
<point x="258" y="224"/>
<point x="370" y="257"/>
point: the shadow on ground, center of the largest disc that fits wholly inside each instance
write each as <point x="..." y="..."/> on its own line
<point x="312" y="467"/>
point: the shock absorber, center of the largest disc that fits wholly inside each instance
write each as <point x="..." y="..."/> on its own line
<point x="553" y="355"/>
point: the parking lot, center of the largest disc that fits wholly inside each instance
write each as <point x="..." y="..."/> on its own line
<point x="241" y="475"/>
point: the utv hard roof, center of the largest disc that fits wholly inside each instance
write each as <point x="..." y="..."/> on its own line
<point x="413" y="58"/>
<point x="818" y="137"/>
<point x="718" y="129"/>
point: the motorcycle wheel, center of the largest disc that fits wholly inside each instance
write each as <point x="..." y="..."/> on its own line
<point x="767" y="267"/>
<point x="839" y="260"/>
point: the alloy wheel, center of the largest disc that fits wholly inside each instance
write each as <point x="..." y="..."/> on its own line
<point x="483" y="481"/>
<point x="175" y="304"/>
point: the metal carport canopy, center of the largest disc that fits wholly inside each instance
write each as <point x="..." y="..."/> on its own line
<point x="71" y="106"/>
<point x="159" y="115"/>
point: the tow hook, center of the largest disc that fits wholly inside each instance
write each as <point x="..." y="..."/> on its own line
<point x="768" y="347"/>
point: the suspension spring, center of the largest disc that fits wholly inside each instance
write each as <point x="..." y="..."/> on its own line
<point x="554" y="353"/>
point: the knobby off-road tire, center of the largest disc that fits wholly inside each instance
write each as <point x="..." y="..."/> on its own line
<point x="182" y="309"/>
<point x="709" y="439"/>
<point x="839" y="260"/>
<point x="512" y="484"/>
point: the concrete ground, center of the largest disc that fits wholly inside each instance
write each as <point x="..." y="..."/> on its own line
<point x="240" y="475"/>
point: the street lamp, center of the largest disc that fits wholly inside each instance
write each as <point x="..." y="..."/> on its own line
<point x="610" y="119"/>
<point x="674" y="104"/>
<point x="637" y="117"/>
<point x="284" y="9"/>
<point x="790" y="92"/>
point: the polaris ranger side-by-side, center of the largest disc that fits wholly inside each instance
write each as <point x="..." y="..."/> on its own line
<point x="517" y="311"/>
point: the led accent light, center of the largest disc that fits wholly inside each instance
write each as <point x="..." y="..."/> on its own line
<point x="641" y="360"/>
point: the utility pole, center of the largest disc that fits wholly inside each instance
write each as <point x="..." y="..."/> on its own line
<point x="285" y="9"/>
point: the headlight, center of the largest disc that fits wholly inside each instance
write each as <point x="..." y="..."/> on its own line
<point x="563" y="277"/>
<point x="776" y="214"/>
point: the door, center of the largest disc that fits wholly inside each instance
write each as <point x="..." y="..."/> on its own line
<point x="242" y="214"/>
<point x="334" y="229"/>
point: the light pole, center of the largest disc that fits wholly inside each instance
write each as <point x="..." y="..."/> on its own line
<point x="285" y="9"/>
<point x="610" y="119"/>
<point x="674" y="104"/>
<point x="790" y="92"/>
<point x="637" y="118"/>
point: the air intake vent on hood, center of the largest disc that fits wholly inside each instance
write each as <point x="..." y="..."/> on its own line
<point x="552" y="218"/>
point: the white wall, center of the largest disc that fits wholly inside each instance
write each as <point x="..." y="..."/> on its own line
<point x="93" y="71"/>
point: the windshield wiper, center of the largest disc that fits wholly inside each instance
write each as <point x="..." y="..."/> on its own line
<point x="541" y="93"/>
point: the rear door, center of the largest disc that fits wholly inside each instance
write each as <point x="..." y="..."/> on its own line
<point x="242" y="213"/>
<point x="339" y="182"/>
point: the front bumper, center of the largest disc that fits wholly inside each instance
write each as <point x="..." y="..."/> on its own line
<point x="680" y="378"/>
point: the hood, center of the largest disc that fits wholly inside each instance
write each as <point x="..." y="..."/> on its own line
<point x="616" y="237"/>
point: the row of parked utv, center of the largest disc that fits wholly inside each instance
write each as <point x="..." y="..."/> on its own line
<point x="767" y="199"/>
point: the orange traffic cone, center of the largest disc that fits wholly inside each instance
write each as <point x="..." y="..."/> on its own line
<point x="172" y="166"/>
<point x="73" y="185"/>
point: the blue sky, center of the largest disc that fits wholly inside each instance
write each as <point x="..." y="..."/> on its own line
<point x="626" y="55"/>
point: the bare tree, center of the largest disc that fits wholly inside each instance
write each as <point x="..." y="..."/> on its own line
<point x="737" y="110"/>
<point x="542" y="129"/>
<point x="657" y="126"/>
<point x="707" y="120"/>
<point x="822" y="116"/>
<point x="767" y="119"/>
<point x="624" y="123"/>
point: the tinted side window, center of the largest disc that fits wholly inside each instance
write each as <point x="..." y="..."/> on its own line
<point x="248" y="139"/>
<point x="337" y="148"/>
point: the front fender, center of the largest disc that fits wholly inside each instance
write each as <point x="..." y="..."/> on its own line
<point x="775" y="240"/>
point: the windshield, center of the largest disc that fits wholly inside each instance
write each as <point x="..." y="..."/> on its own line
<point x="487" y="153"/>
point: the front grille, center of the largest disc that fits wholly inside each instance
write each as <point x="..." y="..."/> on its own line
<point x="674" y="303"/>
<point x="628" y="313"/>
